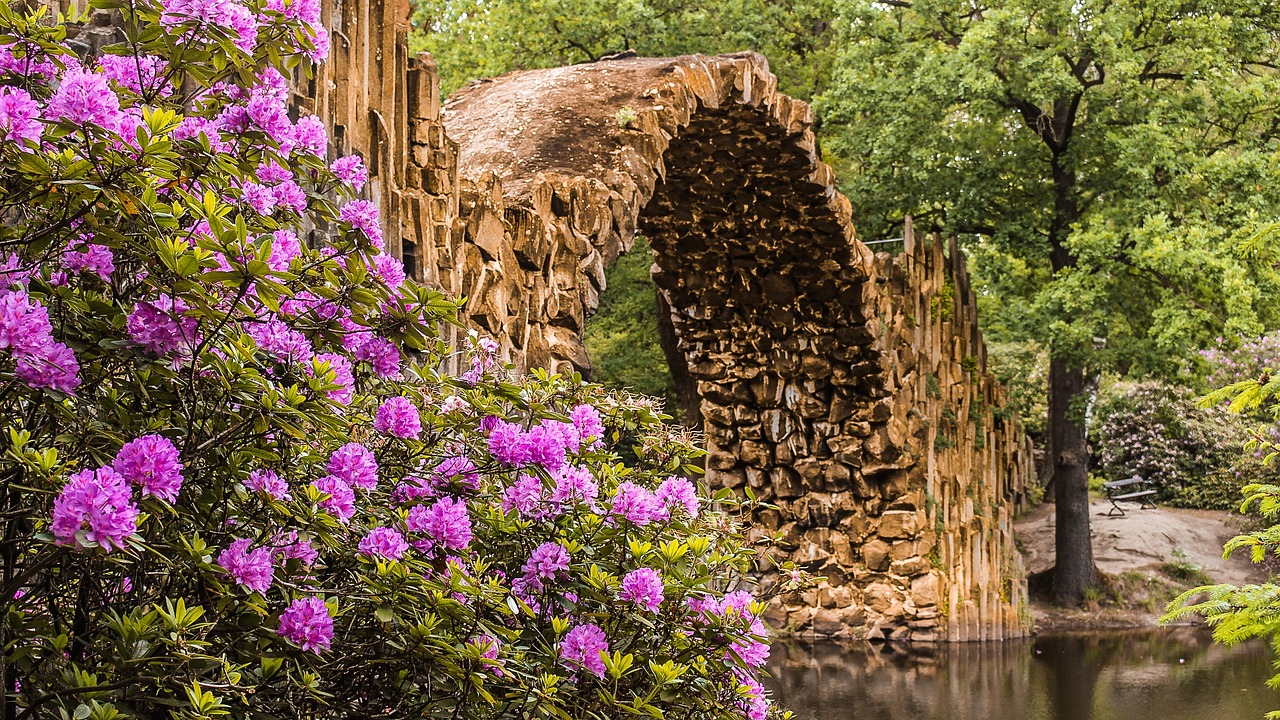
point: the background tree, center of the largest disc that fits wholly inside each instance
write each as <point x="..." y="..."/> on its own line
<point x="1111" y="164"/>
<point x="482" y="38"/>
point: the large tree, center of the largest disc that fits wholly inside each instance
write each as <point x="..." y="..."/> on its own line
<point x="1111" y="164"/>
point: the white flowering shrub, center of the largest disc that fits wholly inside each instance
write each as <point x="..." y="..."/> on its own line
<point x="234" y="482"/>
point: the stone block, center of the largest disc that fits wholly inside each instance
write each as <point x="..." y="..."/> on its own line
<point x="898" y="524"/>
<point x="925" y="590"/>
<point x="876" y="555"/>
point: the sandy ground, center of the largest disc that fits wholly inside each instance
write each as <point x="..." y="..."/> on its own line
<point x="1142" y="540"/>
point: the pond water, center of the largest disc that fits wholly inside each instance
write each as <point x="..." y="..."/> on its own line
<point x="1172" y="674"/>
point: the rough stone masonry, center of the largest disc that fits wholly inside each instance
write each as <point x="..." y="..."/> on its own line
<point x="847" y="388"/>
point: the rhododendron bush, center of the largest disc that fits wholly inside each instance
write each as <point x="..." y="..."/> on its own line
<point x="237" y="481"/>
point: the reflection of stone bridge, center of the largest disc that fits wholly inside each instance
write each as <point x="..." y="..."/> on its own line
<point x="848" y="389"/>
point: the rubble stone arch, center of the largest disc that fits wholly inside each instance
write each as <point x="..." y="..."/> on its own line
<point x="847" y="388"/>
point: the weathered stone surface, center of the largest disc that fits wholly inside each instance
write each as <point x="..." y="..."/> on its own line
<point x="925" y="590"/>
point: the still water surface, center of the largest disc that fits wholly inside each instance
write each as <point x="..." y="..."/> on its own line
<point x="1174" y="674"/>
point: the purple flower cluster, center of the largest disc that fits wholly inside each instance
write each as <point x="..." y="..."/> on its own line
<point x="85" y="99"/>
<point x="266" y="481"/>
<point x="307" y="624"/>
<point x="351" y="170"/>
<point x="160" y="327"/>
<point x="546" y="444"/>
<point x="643" y="587"/>
<point x="341" y="502"/>
<point x="457" y="469"/>
<point x="40" y="361"/>
<point x="545" y="563"/>
<point x="151" y="462"/>
<point x="355" y="465"/>
<point x="637" y="504"/>
<point x="363" y="215"/>
<point x="19" y="117"/>
<point x="389" y="270"/>
<point x="222" y="14"/>
<point x="582" y="648"/>
<point x="253" y="569"/>
<point x="285" y="248"/>
<point x="140" y="74"/>
<point x="586" y="419"/>
<point x="385" y="543"/>
<point x="445" y="525"/>
<point x="398" y="417"/>
<point x="94" y="506"/>
<point x="381" y="354"/>
<point x="94" y="259"/>
<point x="677" y="492"/>
<point x="281" y="342"/>
<point x="289" y="547"/>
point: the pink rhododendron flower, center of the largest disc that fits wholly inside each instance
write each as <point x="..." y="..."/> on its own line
<point x="389" y="270"/>
<point x="289" y="547"/>
<point x="83" y="98"/>
<point x="94" y="506"/>
<point x="457" y="469"/>
<point x="95" y="259"/>
<point x="307" y="624"/>
<point x="19" y="116"/>
<point x="151" y="462"/>
<point x="159" y="326"/>
<point x="51" y="365"/>
<point x="638" y="505"/>
<point x="24" y="323"/>
<point x="382" y="354"/>
<point x="354" y="464"/>
<point x="340" y="366"/>
<point x="385" y="543"/>
<point x="341" y="502"/>
<point x="446" y="525"/>
<point x="643" y="587"/>
<point x="351" y="170"/>
<point x="398" y="417"/>
<point x="281" y="342"/>
<point x="524" y="496"/>
<point x="252" y="569"/>
<point x="137" y="73"/>
<point x="363" y="215"/>
<point x="582" y="647"/>
<point x="586" y="419"/>
<point x="546" y="562"/>
<point x="574" y="485"/>
<point x="266" y="481"/>
<point x="679" y="492"/>
<point x="311" y="136"/>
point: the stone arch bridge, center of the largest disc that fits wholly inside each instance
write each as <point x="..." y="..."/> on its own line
<point x="847" y="388"/>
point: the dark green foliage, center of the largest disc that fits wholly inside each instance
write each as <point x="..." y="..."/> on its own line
<point x="482" y="38"/>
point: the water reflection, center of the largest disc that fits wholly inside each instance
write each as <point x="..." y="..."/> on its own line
<point x="1176" y="674"/>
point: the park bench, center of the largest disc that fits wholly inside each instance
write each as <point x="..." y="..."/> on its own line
<point x="1129" y="489"/>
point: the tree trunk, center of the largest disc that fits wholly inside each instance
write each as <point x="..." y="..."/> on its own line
<point x="1073" y="542"/>
<point x="689" y="405"/>
<point x="1074" y="569"/>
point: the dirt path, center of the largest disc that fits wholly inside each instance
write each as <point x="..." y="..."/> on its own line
<point x="1140" y="542"/>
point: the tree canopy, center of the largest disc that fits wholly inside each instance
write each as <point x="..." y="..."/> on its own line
<point x="482" y="38"/>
